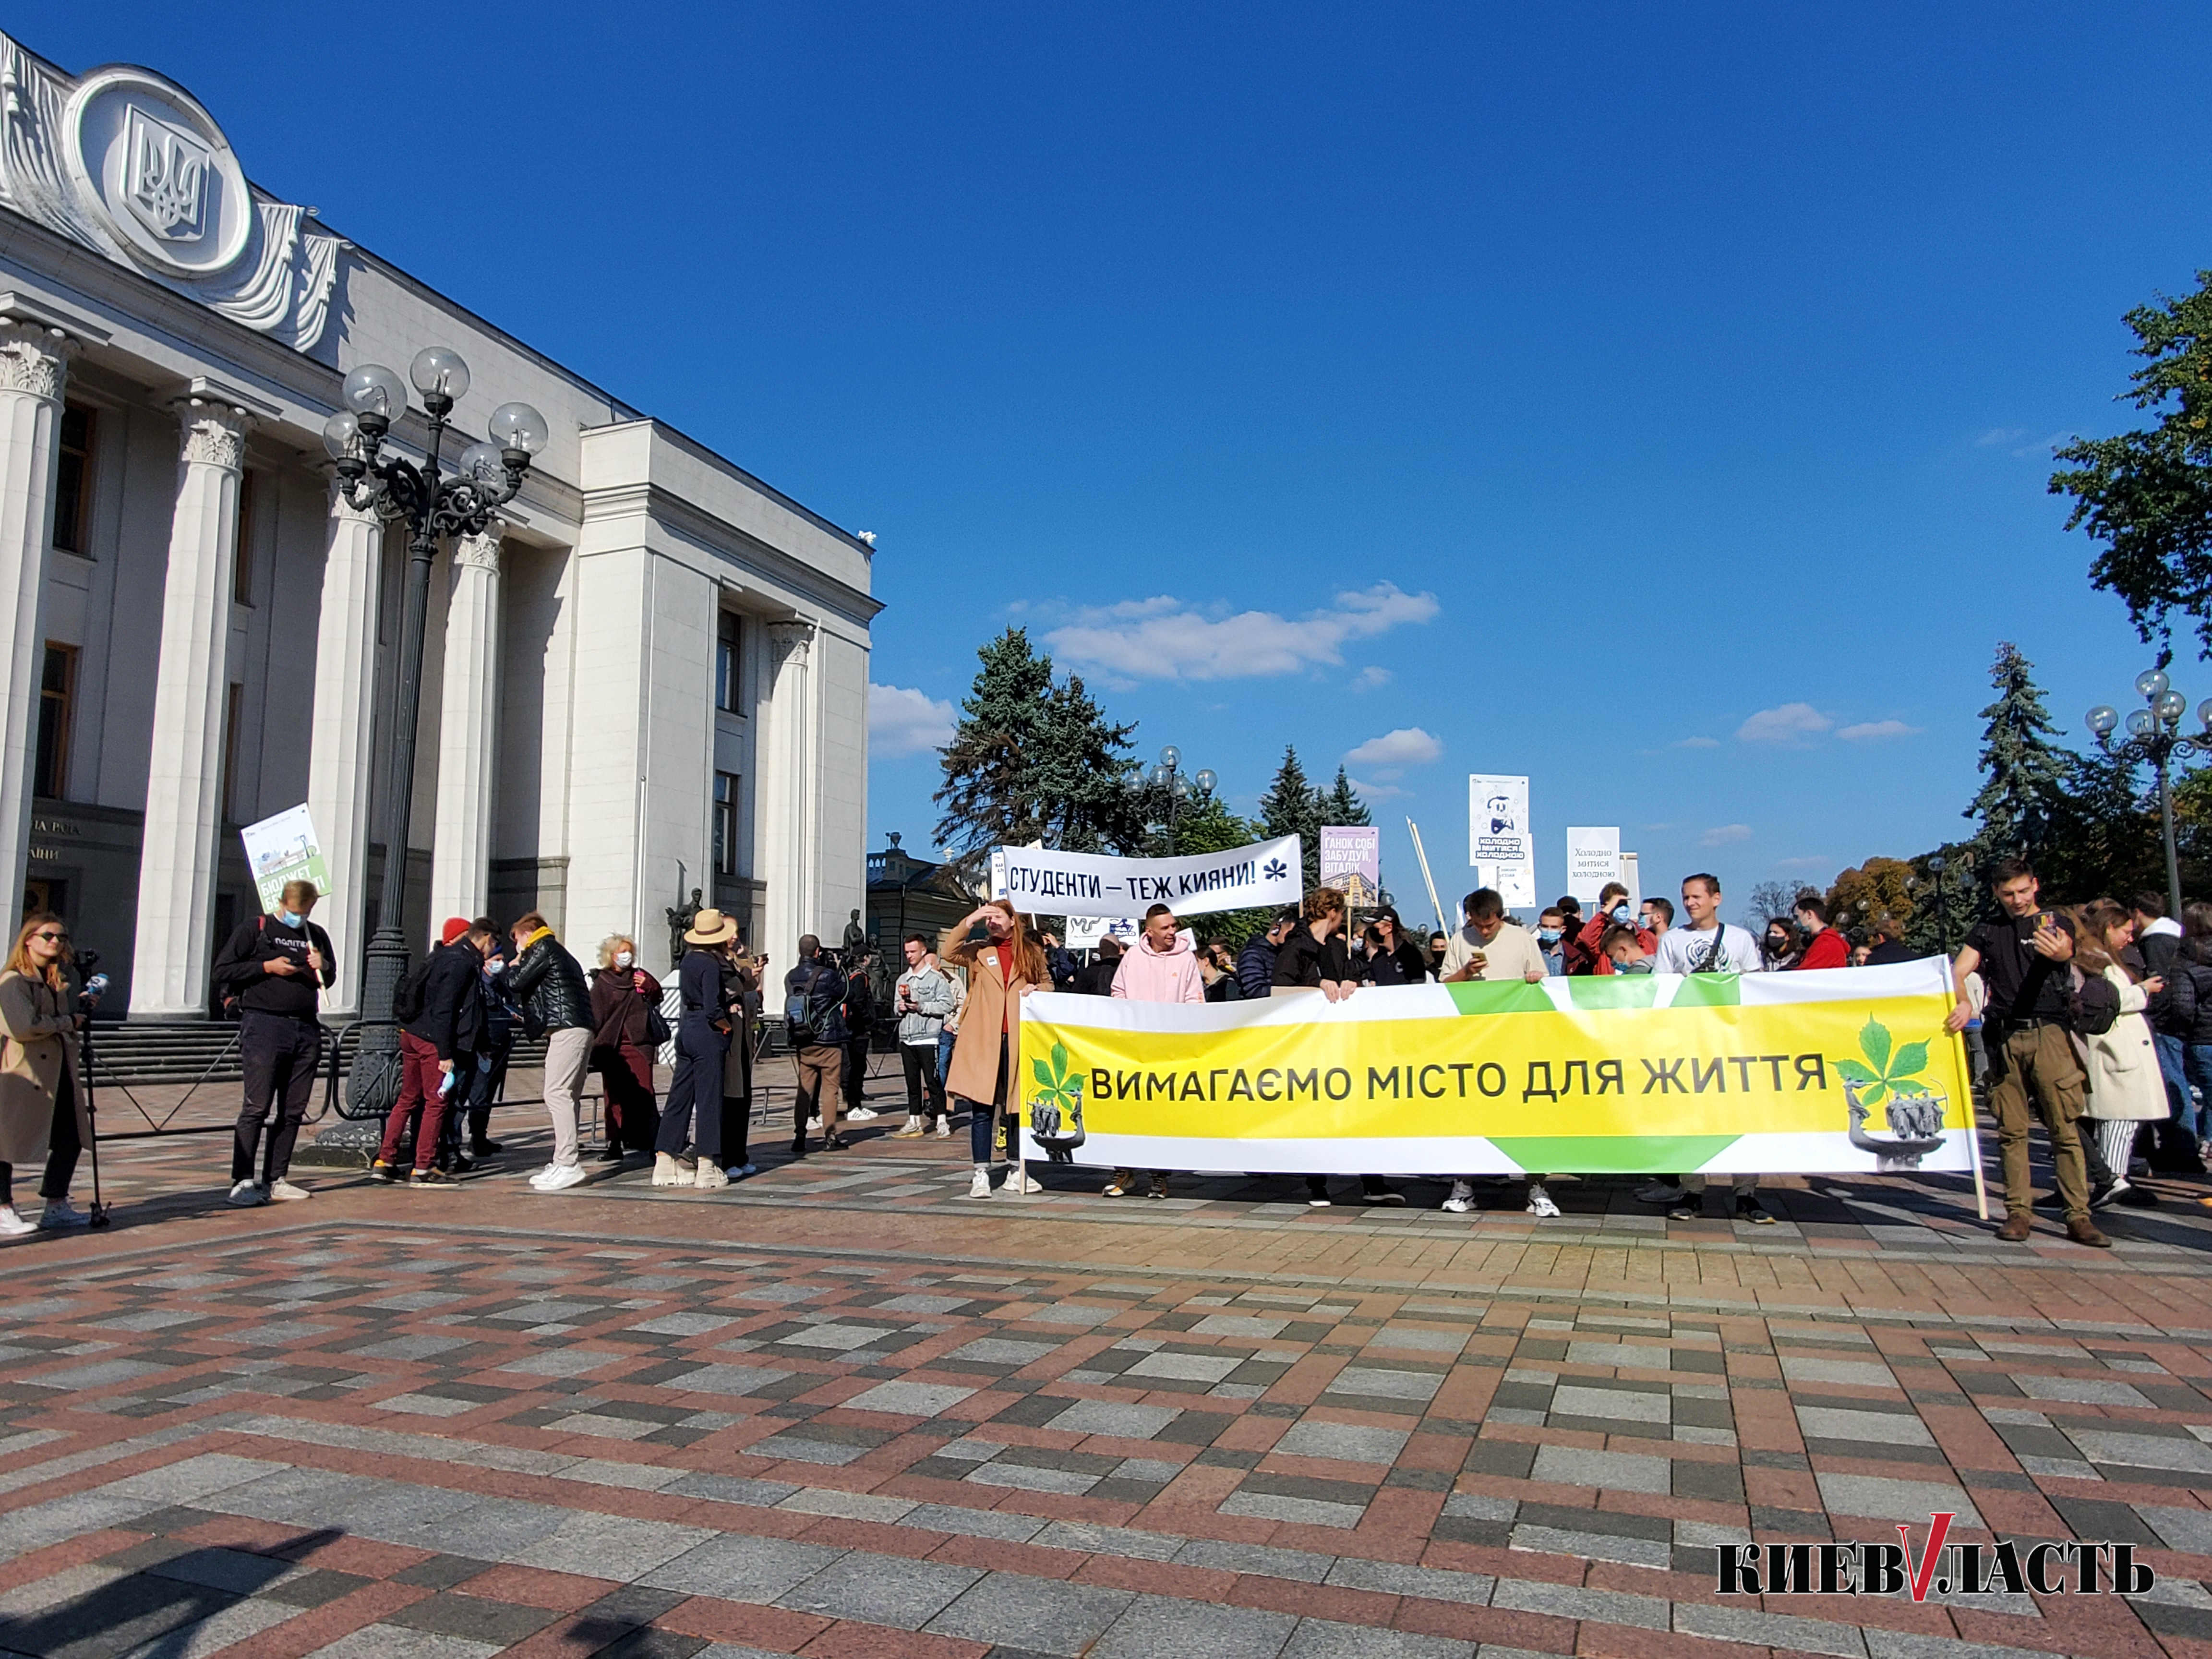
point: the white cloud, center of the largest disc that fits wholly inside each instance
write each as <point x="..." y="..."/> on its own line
<point x="1369" y="679"/>
<point x="1793" y="724"/>
<point x="1725" y="833"/>
<point x="1372" y="792"/>
<point x="1876" y="731"/>
<point x="1163" y="639"/>
<point x="902" y="722"/>
<point x="1698" y="743"/>
<point x="1407" y="746"/>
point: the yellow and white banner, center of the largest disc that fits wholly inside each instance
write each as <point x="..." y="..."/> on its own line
<point x="1847" y="1069"/>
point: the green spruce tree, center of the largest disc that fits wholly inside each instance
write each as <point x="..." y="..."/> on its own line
<point x="1341" y="805"/>
<point x="1291" y="806"/>
<point x="2024" y="769"/>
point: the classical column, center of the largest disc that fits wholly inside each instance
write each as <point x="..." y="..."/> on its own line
<point x="33" y="362"/>
<point x="184" y="781"/>
<point x="461" y="858"/>
<point x="338" y="742"/>
<point x="785" y="795"/>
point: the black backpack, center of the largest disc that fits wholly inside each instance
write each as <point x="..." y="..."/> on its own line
<point x="407" y="997"/>
<point x="2094" y="1004"/>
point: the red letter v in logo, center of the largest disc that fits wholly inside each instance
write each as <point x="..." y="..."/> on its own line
<point x="1923" y="1570"/>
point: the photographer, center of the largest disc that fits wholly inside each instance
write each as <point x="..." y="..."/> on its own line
<point x="42" y="1105"/>
<point x="275" y="969"/>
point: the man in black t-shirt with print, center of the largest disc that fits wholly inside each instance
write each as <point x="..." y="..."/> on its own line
<point x="2025" y="954"/>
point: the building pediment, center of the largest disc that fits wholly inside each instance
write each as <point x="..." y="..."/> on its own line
<point x="127" y="163"/>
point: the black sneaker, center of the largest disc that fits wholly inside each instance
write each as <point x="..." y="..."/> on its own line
<point x="381" y="1171"/>
<point x="1750" y="1209"/>
<point x="463" y="1164"/>
<point x="485" y="1148"/>
<point x="836" y="1143"/>
<point x="2136" y="1197"/>
<point x="432" y="1177"/>
<point x="1384" y="1195"/>
<point x="798" y="1146"/>
<point x="611" y="1155"/>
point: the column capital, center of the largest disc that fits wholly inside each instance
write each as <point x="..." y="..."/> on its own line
<point x="480" y="551"/>
<point x="33" y="358"/>
<point x="212" y="433"/>
<point x="790" y="640"/>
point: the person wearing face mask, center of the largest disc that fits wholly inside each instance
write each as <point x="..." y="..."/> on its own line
<point x="1656" y="917"/>
<point x="1393" y="958"/>
<point x="1778" y="949"/>
<point x="1552" y="941"/>
<point x="548" y="984"/>
<point x="1613" y="911"/>
<point x="624" y="998"/>
<point x="274" y="970"/>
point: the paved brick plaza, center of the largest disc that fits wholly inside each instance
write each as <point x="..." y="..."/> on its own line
<point x="840" y="1410"/>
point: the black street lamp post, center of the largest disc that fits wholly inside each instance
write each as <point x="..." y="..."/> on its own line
<point x="1168" y="775"/>
<point x="2154" y="739"/>
<point x="430" y="505"/>
<point x="1936" y="863"/>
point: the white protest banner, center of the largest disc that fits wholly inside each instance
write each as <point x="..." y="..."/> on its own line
<point x="281" y="849"/>
<point x="1351" y="860"/>
<point x="1103" y="885"/>
<point x="1499" y="842"/>
<point x="1593" y="860"/>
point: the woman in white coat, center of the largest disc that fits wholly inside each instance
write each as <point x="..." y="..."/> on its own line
<point x="2126" y="1088"/>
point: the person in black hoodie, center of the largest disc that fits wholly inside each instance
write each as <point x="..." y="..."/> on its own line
<point x="275" y="968"/>
<point x="440" y="1040"/>
<point x="1312" y="958"/>
<point x="1393" y="958"/>
<point x="1095" y="978"/>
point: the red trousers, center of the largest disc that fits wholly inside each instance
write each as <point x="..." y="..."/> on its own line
<point x="419" y="1078"/>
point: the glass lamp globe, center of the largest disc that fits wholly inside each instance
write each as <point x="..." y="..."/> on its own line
<point x="373" y="389"/>
<point x="2150" y="684"/>
<point x="1171" y="757"/>
<point x="439" y="369"/>
<point x="342" y="436"/>
<point x="484" y="463"/>
<point x="1935" y="863"/>
<point x="518" y="426"/>
<point x="2204" y="713"/>
<point x="1207" y="781"/>
<point x="2140" y="723"/>
<point x="2171" y="705"/>
<point x="1159" y="776"/>
<point x="2103" y="717"/>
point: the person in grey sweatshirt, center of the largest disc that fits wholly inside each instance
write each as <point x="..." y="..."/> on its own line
<point x="923" y="997"/>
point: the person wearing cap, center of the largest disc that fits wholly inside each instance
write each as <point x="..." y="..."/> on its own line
<point x="702" y="1048"/>
<point x="435" y="1046"/>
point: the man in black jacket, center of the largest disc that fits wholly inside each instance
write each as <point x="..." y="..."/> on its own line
<point x="814" y="1023"/>
<point x="549" y="983"/>
<point x="441" y="1038"/>
<point x="276" y="968"/>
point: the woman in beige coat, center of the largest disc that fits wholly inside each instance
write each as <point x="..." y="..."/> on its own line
<point x="42" y="1112"/>
<point x="2126" y="1088"/>
<point x="1003" y="967"/>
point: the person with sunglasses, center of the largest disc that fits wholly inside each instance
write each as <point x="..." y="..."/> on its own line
<point x="43" y="1115"/>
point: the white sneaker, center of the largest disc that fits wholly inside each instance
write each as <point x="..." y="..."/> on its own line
<point x="285" y="1193"/>
<point x="860" y="1114"/>
<point x="60" y="1214"/>
<point x="944" y="1129"/>
<point x="709" y="1175"/>
<point x="908" y="1130"/>
<point x="814" y="1126"/>
<point x="13" y="1225"/>
<point x="1462" y="1198"/>
<point x="980" y="1186"/>
<point x="669" y="1170"/>
<point x="562" y="1177"/>
<point x="539" y="1177"/>
<point x="246" y="1195"/>
<point x="1661" y="1192"/>
<point x="1019" y="1183"/>
<point x="1540" y="1201"/>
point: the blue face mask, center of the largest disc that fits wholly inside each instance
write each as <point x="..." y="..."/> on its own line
<point x="1620" y="914"/>
<point x="290" y="918"/>
<point x="1549" y="935"/>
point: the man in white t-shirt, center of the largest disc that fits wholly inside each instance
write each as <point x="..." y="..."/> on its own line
<point x="1706" y="944"/>
<point x="1492" y="947"/>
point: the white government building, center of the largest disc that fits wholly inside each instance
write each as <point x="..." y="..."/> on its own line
<point x="651" y="675"/>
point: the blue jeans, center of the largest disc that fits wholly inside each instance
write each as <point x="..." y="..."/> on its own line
<point x="2196" y="1068"/>
<point x="2174" y="1140"/>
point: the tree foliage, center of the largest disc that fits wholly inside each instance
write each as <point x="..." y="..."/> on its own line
<point x="1291" y="806"/>
<point x="1340" y="805"/>
<point x="2147" y="494"/>
<point x="2024" y="768"/>
<point x="1870" y="891"/>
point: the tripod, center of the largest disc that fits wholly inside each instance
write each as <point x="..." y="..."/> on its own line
<point x="100" y="1214"/>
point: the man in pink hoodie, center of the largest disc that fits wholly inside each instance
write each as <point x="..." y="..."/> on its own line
<point x="1161" y="968"/>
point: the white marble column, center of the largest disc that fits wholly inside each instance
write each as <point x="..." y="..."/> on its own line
<point x="184" y="782"/>
<point x="339" y="735"/>
<point x="785" y="800"/>
<point x="461" y="858"/>
<point x="33" y="363"/>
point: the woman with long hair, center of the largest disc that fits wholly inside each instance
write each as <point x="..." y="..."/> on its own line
<point x="1393" y="958"/>
<point x="623" y="995"/>
<point x="42" y="1110"/>
<point x="2126" y="1089"/>
<point x="1003" y="965"/>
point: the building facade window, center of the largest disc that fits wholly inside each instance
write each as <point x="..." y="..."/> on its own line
<point x="57" y="684"/>
<point x="241" y="564"/>
<point x="725" y="662"/>
<point x="725" y="823"/>
<point x="73" y="481"/>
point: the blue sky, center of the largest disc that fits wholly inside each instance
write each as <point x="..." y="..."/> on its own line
<point x="1657" y="401"/>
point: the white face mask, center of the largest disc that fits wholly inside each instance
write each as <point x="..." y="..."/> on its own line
<point x="623" y="958"/>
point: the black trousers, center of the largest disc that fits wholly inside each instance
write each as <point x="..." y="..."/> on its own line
<point x="63" y="1147"/>
<point x="281" y="1057"/>
<point x="856" y="1071"/>
<point x="701" y="1051"/>
<point x="920" y="1063"/>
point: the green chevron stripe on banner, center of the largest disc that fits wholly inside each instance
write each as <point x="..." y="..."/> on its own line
<point x="1482" y="996"/>
<point x="1613" y="1154"/>
<point x="1709" y="991"/>
<point x="1614" y="991"/>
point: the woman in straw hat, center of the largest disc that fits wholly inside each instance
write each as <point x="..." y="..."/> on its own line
<point x="702" y="1047"/>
